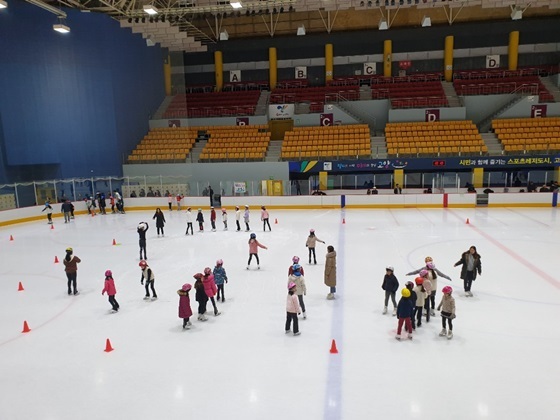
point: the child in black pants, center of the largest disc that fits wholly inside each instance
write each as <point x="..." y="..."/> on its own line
<point x="200" y="297"/>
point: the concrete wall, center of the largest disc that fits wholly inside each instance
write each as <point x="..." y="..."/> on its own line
<point x="523" y="109"/>
<point x="481" y="107"/>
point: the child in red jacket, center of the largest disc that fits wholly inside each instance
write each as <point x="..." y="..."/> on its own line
<point x="111" y="291"/>
<point x="210" y="288"/>
<point x="185" y="310"/>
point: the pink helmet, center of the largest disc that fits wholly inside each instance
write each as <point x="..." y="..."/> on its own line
<point x="186" y="287"/>
<point x="220" y="262"/>
<point x="207" y="271"/>
<point x="143" y="263"/>
<point x="295" y="259"/>
<point x="423" y="273"/>
<point x="311" y="230"/>
<point x="291" y="285"/>
<point x="108" y="273"/>
<point x="431" y="265"/>
<point x="446" y="290"/>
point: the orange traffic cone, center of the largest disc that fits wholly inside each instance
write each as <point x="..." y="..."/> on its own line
<point x="275" y="221"/>
<point x="343" y="221"/>
<point x="26" y="328"/>
<point x="55" y="259"/>
<point x="114" y="242"/>
<point x="20" y="287"/>
<point x="108" y="346"/>
<point x="334" y="350"/>
<point x="467" y="221"/>
<point x="11" y="238"/>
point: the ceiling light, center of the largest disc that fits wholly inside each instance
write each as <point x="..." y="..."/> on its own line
<point x="61" y="28"/>
<point x="151" y="10"/>
<point x="236" y="4"/>
<point x="516" y="13"/>
<point x="3" y="4"/>
<point x="383" y="26"/>
<point x="301" y="30"/>
<point x="426" y="22"/>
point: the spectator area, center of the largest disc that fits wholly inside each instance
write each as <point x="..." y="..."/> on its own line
<point x="236" y="143"/>
<point x="528" y="134"/>
<point x="213" y="104"/>
<point x="434" y="138"/>
<point x="346" y="141"/>
<point x="165" y="145"/>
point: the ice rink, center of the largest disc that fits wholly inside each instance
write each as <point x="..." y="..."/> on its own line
<point x="502" y="362"/>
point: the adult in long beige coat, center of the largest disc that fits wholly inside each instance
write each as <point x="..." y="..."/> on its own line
<point x="330" y="271"/>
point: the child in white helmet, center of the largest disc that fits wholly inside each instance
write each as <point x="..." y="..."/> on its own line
<point x="310" y="244"/>
<point x="189" y="222"/>
<point x="301" y="290"/>
<point x="224" y="217"/>
<point x="246" y="218"/>
<point x="447" y="307"/>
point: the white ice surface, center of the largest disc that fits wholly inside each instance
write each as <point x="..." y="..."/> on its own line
<point x="501" y="364"/>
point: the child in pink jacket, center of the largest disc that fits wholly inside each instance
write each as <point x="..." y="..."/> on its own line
<point x="185" y="310"/>
<point x="210" y="288"/>
<point x="292" y="309"/>
<point x="254" y="246"/>
<point x="111" y="291"/>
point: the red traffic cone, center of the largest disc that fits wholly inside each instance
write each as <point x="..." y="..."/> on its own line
<point x="20" y="287"/>
<point x="26" y="328"/>
<point x="343" y="221"/>
<point x="275" y="221"/>
<point x="55" y="259"/>
<point x="52" y="227"/>
<point x="467" y="221"/>
<point x="11" y="238"/>
<point x="114" y="242"/>
<point x="334" y="350"/>
<point x="108" y="346"/>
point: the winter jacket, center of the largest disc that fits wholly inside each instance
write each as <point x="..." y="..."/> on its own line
<point x="291" y="270"/>
<point x="420" y="296"/>
<point x="427" y="286"/>
<point x="185" y="310"/>
<point x="160" y="219"/>
<point x="237" y="215"/>
<point x="390" y="283"/>
<point x="147" y="274"/>
<point x="224" y="216"/>
<point x="48" y="208"/>
<point x="201" y="295"/>
<point x="72" y="265"/>
<point x="213" y="215"/>
<point x="246" y="216"/>
<point x="264" y="214"/>
<point x="109" y="287"/>
<point x="447" y="306"/>
<point x="142" y="233"/>
<point x="292" y="304"/>
<point x="300" y="284"/>
<point x="209" y="286"/>
<point x="66" y="207"/>
<point x="312" y="241"/>
<point x="254" y="246"/>
<point x="413" y="297"/>
<point x="189" y="217"/>
<point x="200" y="217"/>
<point x="439" y="273"/>
<point x="464" y="262"/>
<point x="330" y="269"/>
<point x="404" y="308"/>
<point x="220" y="275"/>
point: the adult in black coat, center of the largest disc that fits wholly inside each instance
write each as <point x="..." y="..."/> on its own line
<point x="471" y="265"/>
<point x="160" y="220"/>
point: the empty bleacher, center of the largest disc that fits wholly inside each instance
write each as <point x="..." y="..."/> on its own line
<point x="315" y="96"/>
<point x="528" y="134"/>
<point x="235" y="143"/>
<point x="434" y="138"/>
<point x="165" y="145"/>
<point x="346" y="141"/>
<point x="213" y="104"/>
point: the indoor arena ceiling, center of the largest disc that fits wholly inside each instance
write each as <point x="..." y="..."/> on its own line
<point x="191" y="25"/>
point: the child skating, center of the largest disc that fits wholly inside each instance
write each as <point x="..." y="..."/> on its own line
<point x="200" y="220"/>
<point x="295" y="260"/>
<point x="433" y="274"/>
<point x="404" y="314"/>
<point x="224" y="217"/>
<point x="142" y="229"/>
<point x="301" y="290"/>
<point x="213" y="218"/>
<point x="220" y="277"/>
<point x="200" y="297"/>
<point x="254" y="246"/>
<point x="390" y="286"/>
<point x="185" y="311"/>
<point x="264" y="219"/>
<point x="237" y="218"/>
<point x="111" y="291"/>
<point x="447" y="307"/>
<point x="310" y="244"/>
<point x="48" y="208"/>
<point x="148" y="276"/>
<point x="189" y="222"/>
<point x="70" y="262"/>
<point x="246" y="218"/>
<point x="420" y="300"/>
<point x="292" y="309"/>
<point x="210" y="288"/>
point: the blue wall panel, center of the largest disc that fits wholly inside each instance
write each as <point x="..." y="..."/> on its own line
<point x="80" y="100"/>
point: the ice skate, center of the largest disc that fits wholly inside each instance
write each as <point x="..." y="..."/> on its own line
<point x="154" y="298"/>
<point x="213" y="230"/>
<point x="113" y="311"/>
<point x="287" y="331"/>
<point x="450" y="335"/>
<point x="394" y="311"/>
<point x="330" y="296"/>
<point x="398" y="337"/>
<point x="384" y="310"/>
<point x="76" y="292"/>
<point x="443" y="333"/>
<point x="258" y="267"/>
<point x="146" y="297"/>
<point x="410" y="336"/>
<point x="216" y="312"/>
<point x="297" y="333"/>
<point x="304" y="315"/>
<point x="247" y="267"/>
<point x="202" y="318"/>
<point x="433" y="313"/>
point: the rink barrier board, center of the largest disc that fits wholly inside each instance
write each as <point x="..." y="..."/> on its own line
<point x="403" y="201"/>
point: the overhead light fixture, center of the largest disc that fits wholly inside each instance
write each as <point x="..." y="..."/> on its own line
<point x="150" y="41"/>
<point x="516" y="13"/>
<point x="61" y="26"/>
<point x="3" y="4"/>
<point x="150" y="9"/>
<point x="426" y="22"/>
<point x="224" y="36"/>
<point x="236" y="4"/>
<point x="301" y="30"/>
<point x="383" y="25"/>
